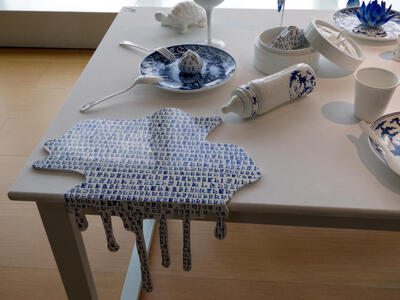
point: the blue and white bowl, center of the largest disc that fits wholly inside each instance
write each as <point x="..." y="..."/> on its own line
<point x="388" y="127"/>
<point x="218" y="67"/>
<point x="347" y="20"/>
<point x="270" y="60"/>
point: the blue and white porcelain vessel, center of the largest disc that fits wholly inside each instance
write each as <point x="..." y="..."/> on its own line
<point x="388" y="128"/>
<point x="290" y="38"/>
<point x="347" y="20"/>
<point x="264" y="94"/>
<point x="218" y="67"/>
<point x="156" y="167"/>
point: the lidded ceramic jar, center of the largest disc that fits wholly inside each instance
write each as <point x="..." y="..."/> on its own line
<point x="270" y="60"/>
<point x="322" y="38"/>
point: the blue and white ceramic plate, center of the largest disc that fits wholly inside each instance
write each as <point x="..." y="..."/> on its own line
<point x="218" y="68"/>
<point x="346" y="20"/>
<point x="388" y="127"/>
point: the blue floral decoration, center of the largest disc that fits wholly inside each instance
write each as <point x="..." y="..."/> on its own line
<point x="155" y="167"/>
<point x="347" y="20"/>
<point x="302" y="82"/>
<point x="374" y="14"/>
<point x="388" y="128"/>
<point x="280" y="5"/>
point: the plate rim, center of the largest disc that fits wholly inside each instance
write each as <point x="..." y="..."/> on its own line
<point x="363" y="37"/>
<point x="196" y="90"/>
<point x="370" y="142"/>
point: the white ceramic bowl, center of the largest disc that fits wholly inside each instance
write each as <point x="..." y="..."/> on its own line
<point x="271" y="60"/>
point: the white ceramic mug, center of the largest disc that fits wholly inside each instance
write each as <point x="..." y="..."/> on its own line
<point x="373" y="90"/>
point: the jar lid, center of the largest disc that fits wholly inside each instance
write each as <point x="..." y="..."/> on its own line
<point x="335" y="45"/>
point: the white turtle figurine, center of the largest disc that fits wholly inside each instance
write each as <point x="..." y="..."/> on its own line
<point x="183" y="15"/>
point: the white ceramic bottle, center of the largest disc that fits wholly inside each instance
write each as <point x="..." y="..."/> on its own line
<point x="264" y="94"/>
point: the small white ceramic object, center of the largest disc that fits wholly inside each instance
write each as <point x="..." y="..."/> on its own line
<point x="396" y="53"/>
<point x="264" y="94"/>
<point x="183" y="15"/>
<point x="270" y="60"/>
<point x="334" y="44"/>
<point x="190" y="63"/>
<point x="374" y="88"/>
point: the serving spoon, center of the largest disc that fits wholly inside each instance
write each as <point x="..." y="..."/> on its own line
<point x="389" y="157"/>
<point x="142" y="79"/>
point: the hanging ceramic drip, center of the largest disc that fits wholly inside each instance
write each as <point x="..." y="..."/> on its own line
<point x="157" y="167"/>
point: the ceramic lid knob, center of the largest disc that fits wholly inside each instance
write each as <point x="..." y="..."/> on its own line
<point x="190" y="63"/>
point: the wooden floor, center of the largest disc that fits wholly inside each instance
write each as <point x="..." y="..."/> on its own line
<point x="253" y="262"/>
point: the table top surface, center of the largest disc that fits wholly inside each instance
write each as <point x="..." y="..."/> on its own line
<point x="313" y="154"/>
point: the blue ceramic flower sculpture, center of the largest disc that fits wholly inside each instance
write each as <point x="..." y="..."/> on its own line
<point x="156" y="167"/>
<point x="374" y="14"/>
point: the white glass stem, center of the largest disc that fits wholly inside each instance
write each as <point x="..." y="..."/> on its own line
<point x="283" y="13"/>
<point x="208" y="13"/>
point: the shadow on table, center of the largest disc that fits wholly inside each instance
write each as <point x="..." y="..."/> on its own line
<point x="339" y="112"/>
<point x="365" y="42"/>
<point x="328" y="69"/>
<point x="383" y="174"/>
<point x="386" y="55"/>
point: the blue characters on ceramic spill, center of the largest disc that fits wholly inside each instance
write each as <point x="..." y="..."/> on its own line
<point x="388" y="127"/>
<point x="217" y="67"/>
<point x="152" y="167"/>
<point x="348" y="19"/>
<point x="302" y="82"/>
<point x="290" y="38"/>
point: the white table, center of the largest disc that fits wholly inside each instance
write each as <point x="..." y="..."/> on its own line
<point x="318" y="168"/>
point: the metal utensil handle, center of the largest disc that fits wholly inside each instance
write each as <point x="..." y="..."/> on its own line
<point x="128" y="43"/>
<point x="90" y="104"/>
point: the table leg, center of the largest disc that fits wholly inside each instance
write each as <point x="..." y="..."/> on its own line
<point x="68" y="250"/>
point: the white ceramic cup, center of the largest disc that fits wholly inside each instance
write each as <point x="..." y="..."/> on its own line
<point x="373" y="90"/>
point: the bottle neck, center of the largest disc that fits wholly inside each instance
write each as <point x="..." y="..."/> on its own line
<point x="249" y="98"/>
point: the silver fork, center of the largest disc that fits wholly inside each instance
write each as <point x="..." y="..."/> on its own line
<point x="163" y="51"/>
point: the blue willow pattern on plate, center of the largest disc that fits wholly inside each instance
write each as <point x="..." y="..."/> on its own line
<point x="218" y="67"/>
<point x="346" y="19"/>
<point x="153" y="167"/>
<point x="388" y="127"/>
